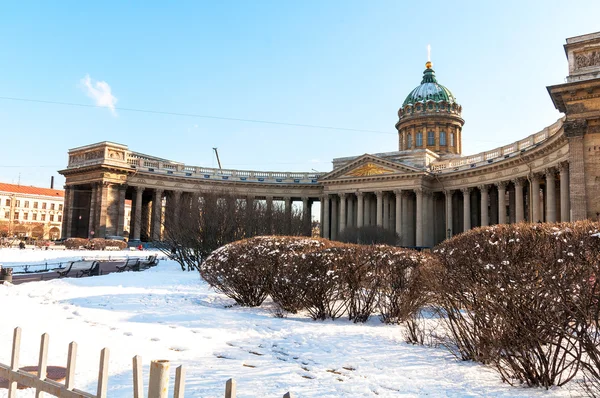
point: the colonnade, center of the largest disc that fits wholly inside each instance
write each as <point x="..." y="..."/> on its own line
<point x="424" y="216"/>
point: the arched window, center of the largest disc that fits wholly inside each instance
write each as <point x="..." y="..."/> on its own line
<point x="451" y="139"/>
<point x="442" y="138"/>
<point x="419" y="142"/>
<point x="409" y="144"/>
<point x="430" y="138"/>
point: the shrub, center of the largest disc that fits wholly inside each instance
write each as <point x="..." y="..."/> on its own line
<point x="115" y="243"/>
<point x="75" y="243"/>
<point x="519" y="296"/>
<point x="244" y="270"/>
<point x="96" y="244"/>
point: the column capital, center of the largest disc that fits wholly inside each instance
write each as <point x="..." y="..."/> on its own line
<point x="563" y="167"/>
<point x="359" y="194"/>
<point x="575" y="128"/>
<point x="324" y="197"/>
<point x="269" y="197"/>
<point x="139" y="188"/>
<point x="398" y="192"/>
<point x="418" y="191"/>
<point x="379" y="194"/>
<point x="501" y="184"/>
<point x="535" y="177"/>
<point x="518" y="181"/>
<point x="466" y="190"/>
<point x="550" y="172"/>
<point x="448" y="192"/>
<point x="483" y="187"/>
<point x="342" y="195"/>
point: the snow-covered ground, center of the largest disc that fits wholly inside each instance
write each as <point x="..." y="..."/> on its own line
<point x="164" y="313"/>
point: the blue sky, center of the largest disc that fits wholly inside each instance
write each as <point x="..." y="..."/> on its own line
<point x="346" y="64"/>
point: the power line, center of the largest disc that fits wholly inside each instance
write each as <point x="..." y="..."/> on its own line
<point x="315" y="126"/>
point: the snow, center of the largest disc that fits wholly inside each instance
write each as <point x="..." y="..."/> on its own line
<point x="164" y="313"/>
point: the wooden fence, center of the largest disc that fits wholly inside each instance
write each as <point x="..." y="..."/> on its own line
<point x="29" y="377"/>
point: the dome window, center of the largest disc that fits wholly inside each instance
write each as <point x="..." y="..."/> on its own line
<point x="442" y="138"/>
<point x="430" y="138"/>
<point x="451" y="139"/>
<point x="430" y="106"/>
<point x="409" y="145"/>
<point x="419" y="142"/>
<point x="418" y="107"/>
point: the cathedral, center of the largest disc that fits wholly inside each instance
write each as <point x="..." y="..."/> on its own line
<point x="426" y="191"/>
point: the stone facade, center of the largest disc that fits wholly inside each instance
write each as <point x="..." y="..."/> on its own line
<point x="426" y="193"/>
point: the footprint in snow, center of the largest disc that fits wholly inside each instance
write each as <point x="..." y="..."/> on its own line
<point x="154" y="339"/>
<point x="128" y="334"/>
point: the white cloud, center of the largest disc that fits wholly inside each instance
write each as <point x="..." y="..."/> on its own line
<point x="100" y="92"/>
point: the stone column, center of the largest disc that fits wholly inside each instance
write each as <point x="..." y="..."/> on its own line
<point x="466" y="208"/>
<point x="398" y="226"/>
<point x="325" y="220"/>
<point x="288" y="215"/>
<point x="367" y="209"/>
<point x="575" y="131"/>
<point x="419" y="221"/>
<point x="269" y="215"/>
<point x="68" y="214"/>
<point x="501" y="202"/>
<point x="306" y="219"/>
<point x="350" y="210"/>
<point x="360" y="215"/>
<point x="137" y="223"/>
<point x="120" y="224"/>
<point x="157" y="214"/>
<point x="551" y="195"/>
<point x="535" y="198"/>
<point x="334" y="217"/>
<point x="519" y="210"/>
<point x="93" y="211"/>
<point x="343" y="214"/>
<point x="448" y="231"/>
<point x="379" y="208"/>
<point x="406" y="237"/>
<point x="484" y="205"/>
<point x="386" y="211"/>
<point x="102" y="209"/>
<point x="565" y="208"/>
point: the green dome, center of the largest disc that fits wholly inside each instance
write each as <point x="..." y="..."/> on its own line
<point x="429" y="90"/>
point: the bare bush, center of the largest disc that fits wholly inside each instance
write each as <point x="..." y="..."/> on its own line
<point x="200" y="225"/>
<point x="115" y="243"/>
<point x="510" y="295"/>
<point x="75" y="243"/>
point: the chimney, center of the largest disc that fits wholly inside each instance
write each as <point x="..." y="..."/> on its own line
<point x="52" y="182"/>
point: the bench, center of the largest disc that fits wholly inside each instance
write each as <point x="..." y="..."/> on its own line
<point x="151" y="261"/>
<point x="93" y="270"/>
<point x="131" y="264"/>
<point x="63" y="272"/>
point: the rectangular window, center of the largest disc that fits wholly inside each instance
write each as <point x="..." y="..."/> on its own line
<point x="7" y="202"/>
<point x="16" y="215"/>
<point x="409" y="141"/>
<point x="451" y="139"/>
<point x="430" y="138"/>
<point x="25" y="216"/>
<point x="43" y="205"/>
<point x="17" y="203"/>
<point x="442" y="138"/>
<point x="59" y="218"/>
<point x="60" y="207"/>
<point x="26" y="204"/>
<point x="7" y="214"/>
<point x="35" y="205"/>
<point x="34" y="216"/>
<point x="419" y="142"/>
<point x="51" y="217"/>
<point x="43" y="217"/>
<point x="51" y="206"/>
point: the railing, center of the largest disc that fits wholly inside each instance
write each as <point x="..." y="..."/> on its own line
<point x="43" y="381"/>
<point x="498" y="153"/>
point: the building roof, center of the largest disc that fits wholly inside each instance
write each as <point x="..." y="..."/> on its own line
<point x="22" y="189"/>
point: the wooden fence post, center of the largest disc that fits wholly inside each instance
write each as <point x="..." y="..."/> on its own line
<point x="103" y="374"/>
<point x="230" y="388"/>
<point x="14" y="362"/>
<point x="138" y="378"/>
<point x="71" y="362"/>
<point x="179" y="382"/>
<point x="158" y="387"/>
<point x="42" y="364"/>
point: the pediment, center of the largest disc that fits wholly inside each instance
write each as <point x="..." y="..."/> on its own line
<point x="369" y="166"/>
